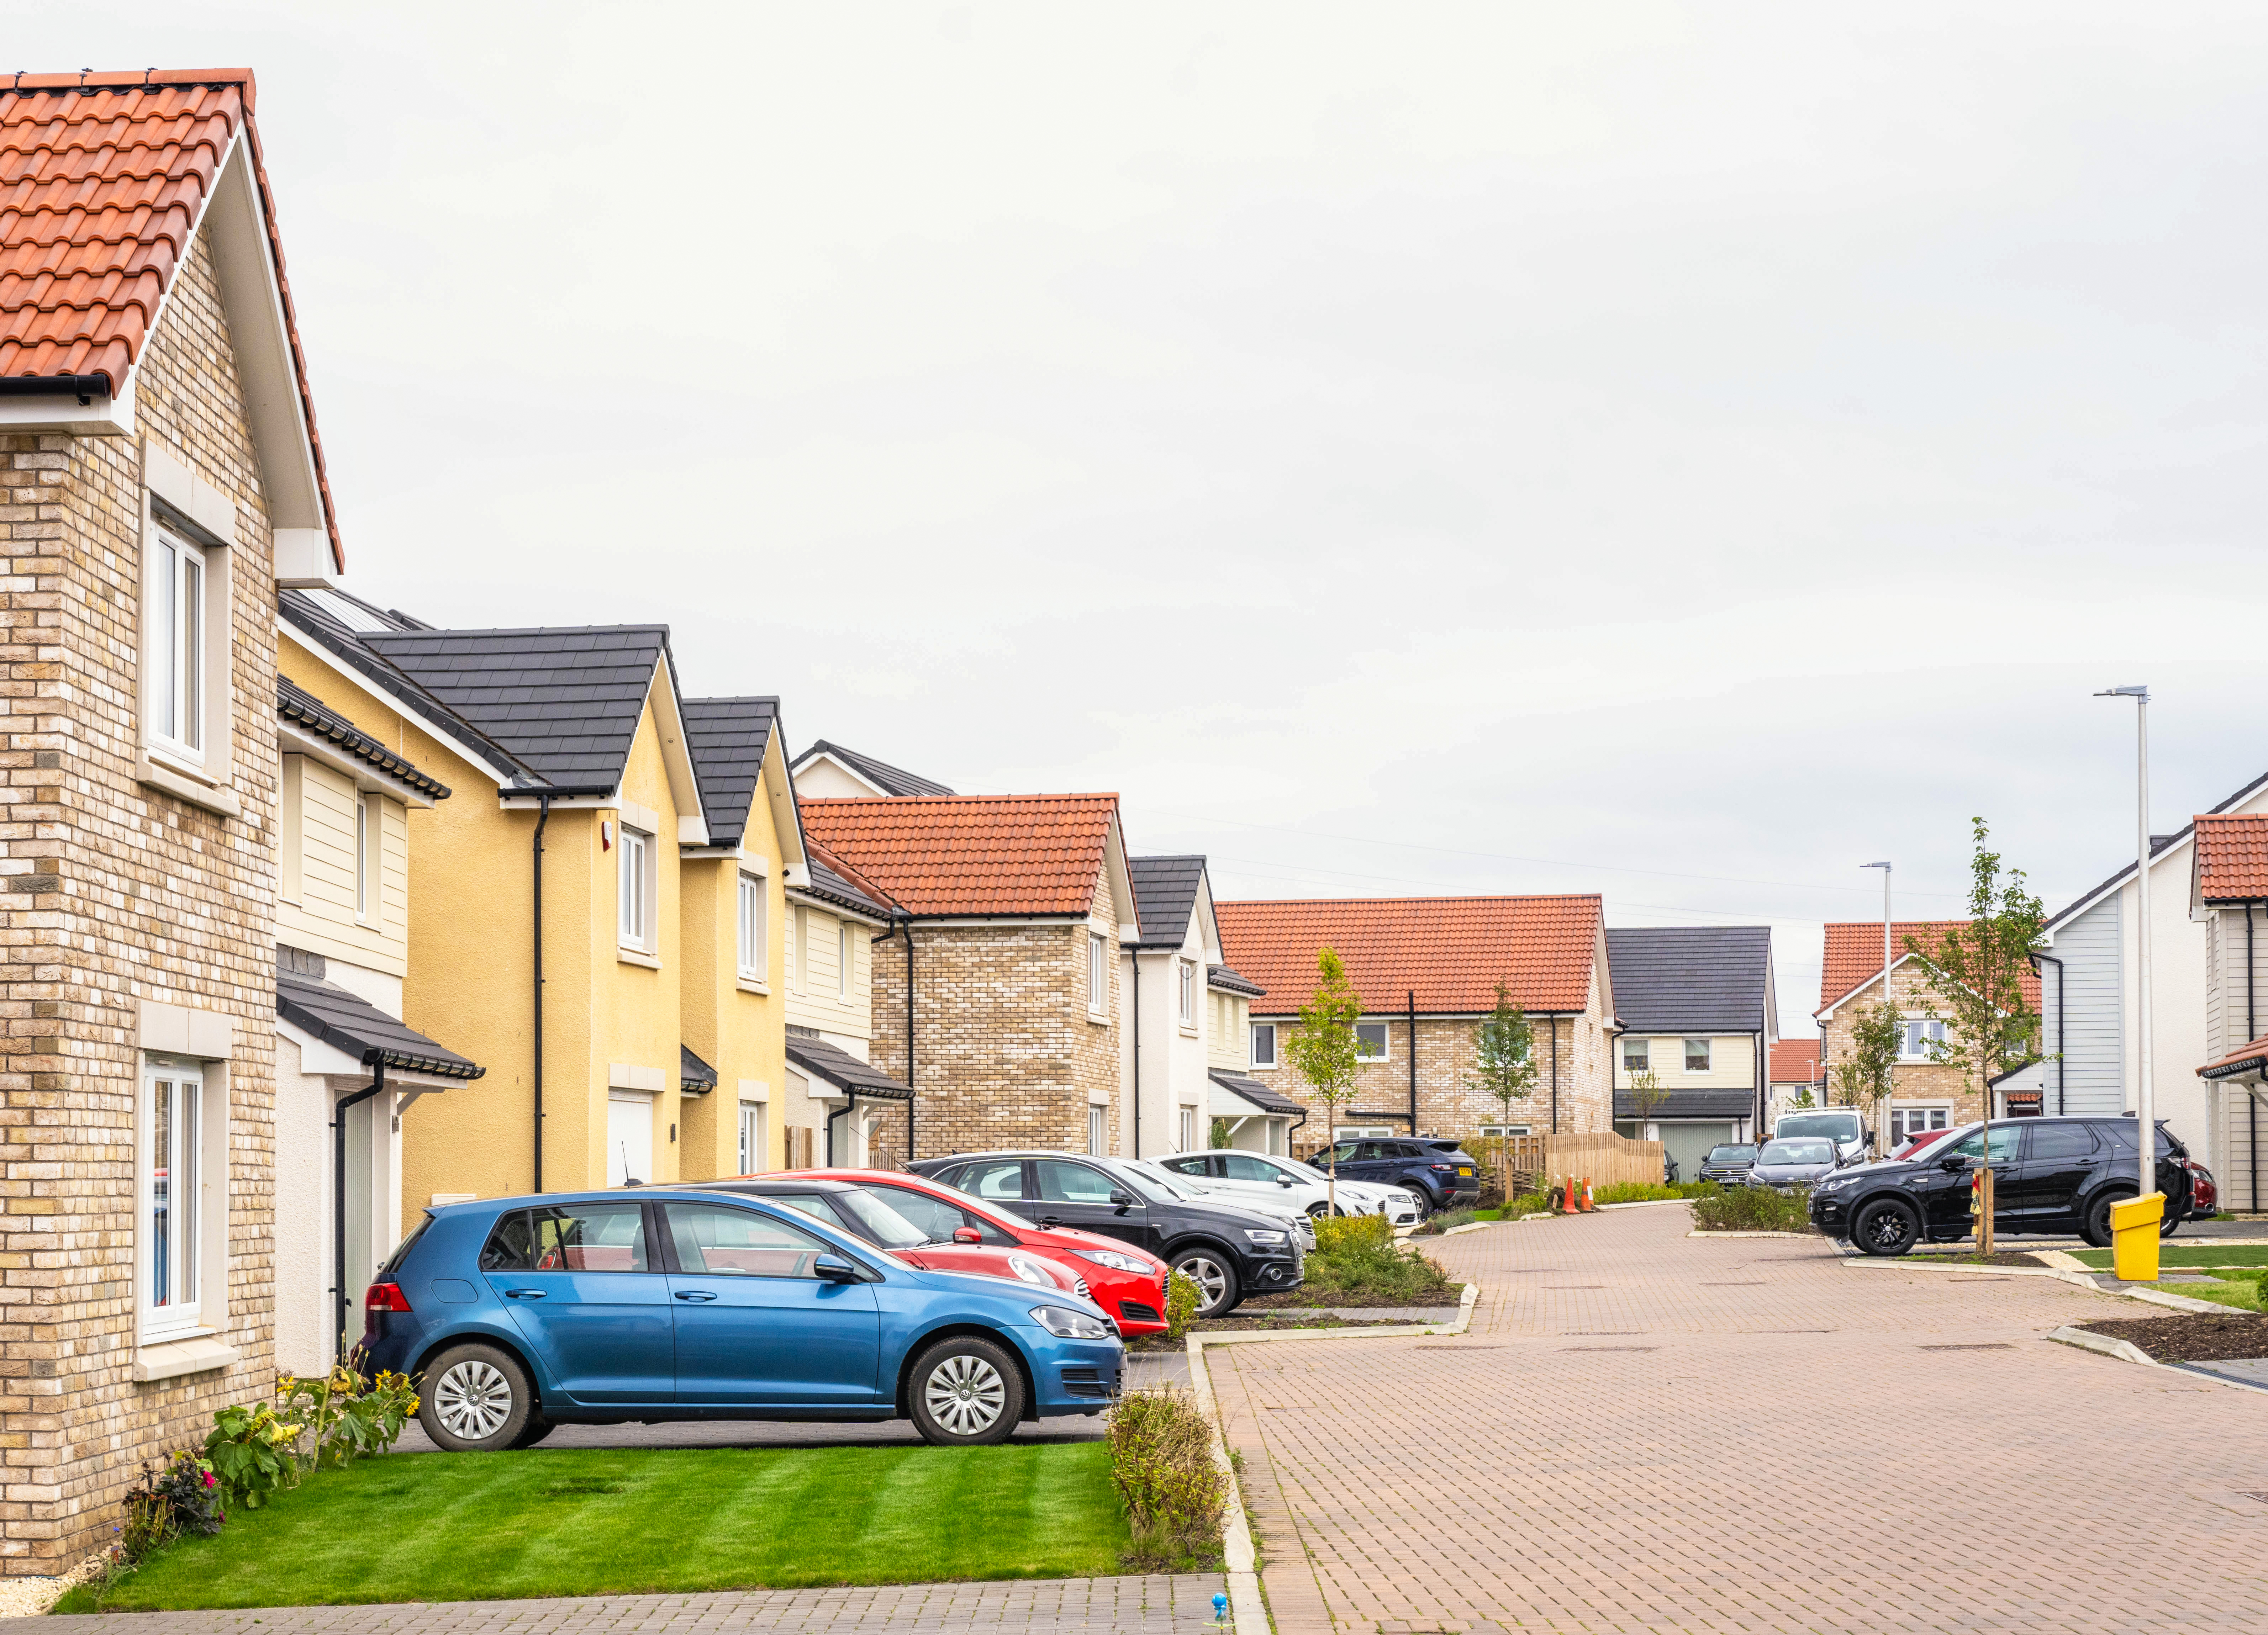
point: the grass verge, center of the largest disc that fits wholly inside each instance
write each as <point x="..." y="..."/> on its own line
<point x="2196" y="1256"/>
<point x="601" y="1521"/>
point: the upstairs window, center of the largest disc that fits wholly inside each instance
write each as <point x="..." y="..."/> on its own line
<point x="1918" y="1036"/>
<point x="1370" y="1040"/>
<point x="802" y="973"/>
<point x="365" y="856"/>
<point x="1696" y="1055"/>
<point x="845" y="952"/>
<point x="635" y="891"/>
<point x="1189" y="994"/>
<point x="177" y="645"/>
<point x="1637" y="1058"/>
<point x="1098" y="971"/>
<point x="755" y="944"/>
<point x="1264" y="1045"/>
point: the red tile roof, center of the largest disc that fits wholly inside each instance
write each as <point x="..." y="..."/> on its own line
<point x="1854" y="955"/>
<point x="1451" y="951"/>
<point x="2244" y="1060"/>
<point x="972" y="854"/>
<point x="103" y="180"/>
<point x="2232" y="856"/>
<point x="1795" y="1061"/>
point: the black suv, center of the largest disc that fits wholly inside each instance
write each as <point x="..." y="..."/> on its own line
<point x="2056" y="1175"/>
<point x="1439" y="1173"/>
<point x="1228" y="1252"/>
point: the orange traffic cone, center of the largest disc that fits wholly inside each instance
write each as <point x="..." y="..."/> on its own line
<point x="1586" y="1195"/>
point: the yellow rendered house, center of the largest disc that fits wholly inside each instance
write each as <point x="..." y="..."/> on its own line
<point x="595" y="913"/>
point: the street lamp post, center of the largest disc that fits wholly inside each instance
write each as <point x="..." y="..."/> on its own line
<point x="1885" y="867"/>
<point x="2145" y="1135"/>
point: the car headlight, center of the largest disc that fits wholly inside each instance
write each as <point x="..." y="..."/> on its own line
<point x="1030" y="1271"/>
<point x="1114" y="1260"/>
<point x="1833" y="1184"/>
<point x="1067" y="1324"/>
<point x="1267" y="1239"/>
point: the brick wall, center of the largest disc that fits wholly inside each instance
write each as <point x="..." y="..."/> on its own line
<point x="1915" y="1081"/>
<point x="1004" y="1055"/>
<point x="117" y="894"/>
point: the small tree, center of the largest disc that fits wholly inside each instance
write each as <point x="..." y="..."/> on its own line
<point x="1323" y="1052"/>
<point x="1647" y="1095"/>
<point x="1864" y="1080"/>
<point x="1504" y="1069"/>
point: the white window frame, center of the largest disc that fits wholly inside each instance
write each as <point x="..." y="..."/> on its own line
<point x="1188" y="1129"/>
<point x="1098" y="974"/>
<point x="1912" y="1030"/>
<point x="368" y="828"/>
<point x="846" y="956"/>
<point x="1506" y="1132"/>
<point x="1645" y="1062"/>
<point x="1257" y="1030"/>
<point x="752" y="1138"/>
<point x="189" y="1257"/>
<point x="800" y="974"/>
<point x="635" y="879"/>
<point x="1188" y="992"/>
<point x="752" y="911"/>
<point x="179" y="710"/>
<point x="1097" y="1117"/>
<point x="1385" y="1052"/>
<point x="1708" y="1055"/>
<point x="1934" y="1116"/>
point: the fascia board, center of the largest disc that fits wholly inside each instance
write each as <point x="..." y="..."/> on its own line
<point x="777" y="782"/>
<point x="839" y="911"/>
<point x="294" y="740"/>
<point x="285" y="631"/>
<point x="676" y="754"/>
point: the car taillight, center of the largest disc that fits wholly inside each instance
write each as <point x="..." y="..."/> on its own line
<point x="385" y="1297"/>
<point x="1445" y="1169"/>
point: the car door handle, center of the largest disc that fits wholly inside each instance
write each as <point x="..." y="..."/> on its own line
<point x="696" y="1295"/>
<point x="1051" y="1220"/>
<point x="523" y="1294"/>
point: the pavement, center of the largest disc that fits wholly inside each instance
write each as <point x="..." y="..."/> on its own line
<point x="1645" y="1432"/>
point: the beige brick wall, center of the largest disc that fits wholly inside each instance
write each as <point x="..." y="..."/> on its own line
<point x="117" y="894"/>
<point x="1004" y="1055"/>
<point x="1910" y="1081"/>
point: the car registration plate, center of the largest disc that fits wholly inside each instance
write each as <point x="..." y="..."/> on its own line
<point x="1464" y="1169"/>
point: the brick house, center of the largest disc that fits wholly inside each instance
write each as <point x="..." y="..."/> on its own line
<point x="1796" y="1073"/>
<point x="1428" y="968"/>
<point x="161" y="465"/>
<point x="1012" y="908"/>
<point x="1925" y="1094"/>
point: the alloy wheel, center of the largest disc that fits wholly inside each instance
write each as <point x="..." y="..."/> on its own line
<point x="965" y="1395"/>
<point x="473" y="1400"/>
<point x="1210" y="1276"/>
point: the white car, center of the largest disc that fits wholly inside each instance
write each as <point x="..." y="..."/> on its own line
<point x="1259" y="1182"/>
<point x="1303" y="1228"/>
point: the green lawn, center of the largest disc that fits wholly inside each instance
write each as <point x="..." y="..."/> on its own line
<point x="593" y="1521"/>
<point x="2187" y="1255"/>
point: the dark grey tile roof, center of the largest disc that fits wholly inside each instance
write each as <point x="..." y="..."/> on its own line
<point x="318" y="624"/>
<point x="1252" y="1091"/>
<point x="303" y="709"/>
<point x="1693" y="1104"/>
<point x="565" y="701"/>
<point x="727" y="738"/>
<point x="1234" y="982"/>
<point x="353" y="1024"/>
<point x="827" y="884"/>
<point x="695" y="1077"/>
<point x="843" y="1070"/>
<point x="891" y="780"/>
<point x="1690" y="978"/>
<point x="1165" y="896"/>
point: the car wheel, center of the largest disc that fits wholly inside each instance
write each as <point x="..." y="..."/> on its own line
<point x="1425" y="1204"/>
<point x="1216" y="1279"/>
<point x="1886" y="1227"/>
<point x="2096" y="1228"/>
<point x="478" y="1400"/>
<point x="2170" y="1225"/>
<point x="966" y="1392"/>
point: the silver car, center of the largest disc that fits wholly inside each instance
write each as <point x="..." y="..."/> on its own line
<point x="1788" y="1162"/>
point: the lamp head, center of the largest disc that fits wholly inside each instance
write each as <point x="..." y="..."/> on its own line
<point x="1873" y="866"/>
<point x="2142" y="693"/>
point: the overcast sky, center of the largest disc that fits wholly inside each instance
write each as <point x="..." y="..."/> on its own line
<point x="1681" y="453"/>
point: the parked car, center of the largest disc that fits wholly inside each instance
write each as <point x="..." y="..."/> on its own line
<point x="1228" y="1250"/>
<point x="1263" y="1181"/>
<point x="1125" y="1281"/>
<point x="1437" y="1172"/>
<point x="677" y="1303"/>
<point x="1921" y="1142"/>
<point x="1728" y="1163"/>
<point x="1303" y="1227"/>
<point x="2205" y="1197"/>
<point x="1785" y="1162"/>
<point x="2051" y="1175"/>
<point x="1842" y="1125"/>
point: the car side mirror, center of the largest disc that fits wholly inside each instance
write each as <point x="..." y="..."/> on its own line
<point x="1121" y="1197"/>
<point x="1952" y="1165"/>
<point x="1283" y="1182"/>
<point x="834" y="1268"/>
<point x="966" y="1235"/>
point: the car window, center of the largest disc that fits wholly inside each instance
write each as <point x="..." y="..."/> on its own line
<point x="714" y="1240"/>
<point x="570" y="1237"/>
<point x="861" y="1216"/>
<point x="1737" y="1155"/>
<point x="1342" y="1153"/>
<point x="939" y="1217"/>
<point x="2060" y="1141"/>
<point x="1237" y="1167"/>
<point x="401" y="1249"/>
<point x="994" y="1178"/>
<point x="1185" y="1166"/>
<point x="2120" y="1132"/>
<point x="1834" y="1126"/>
<point x="1373" y="1150"/>
<point x="1060" y="1182"/>
<point x="2004" y="1145"/>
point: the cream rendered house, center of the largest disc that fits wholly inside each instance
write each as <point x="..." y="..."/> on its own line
<point x="1258" y="1117"/>
<point x="1698" y="1015"/>
<point x="830" y="772"/>
<point x="839" y="1109"/>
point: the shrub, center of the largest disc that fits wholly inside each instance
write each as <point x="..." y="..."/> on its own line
<point x="180" y="1494"/>
<point x="1335" y="1234"/>
<point x="253" y="1450"/>
<point x="1162" y="1465"/>
<point x="1182" y="1299"/>
<point x="1635" y="1192"/>
<point x="1752" y="1209"/>
<point x="1434" y="1226"/>
<point x="1528" y="1204"/>
<point x="349" y="1415"/>
<point x="1365" y="1260"/>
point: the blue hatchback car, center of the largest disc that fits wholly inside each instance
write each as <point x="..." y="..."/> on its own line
<point x="677" y="1303"/>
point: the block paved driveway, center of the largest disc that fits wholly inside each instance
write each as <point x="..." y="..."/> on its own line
<point x="1648" y="1433"/>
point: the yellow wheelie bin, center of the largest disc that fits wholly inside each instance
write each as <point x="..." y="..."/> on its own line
<point x="2134" y="1237"/>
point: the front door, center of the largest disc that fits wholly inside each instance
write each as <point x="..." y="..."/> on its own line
<point x="630" y="1138"/>
<point x="1071" y="1194"/>
<point x="2058" y="1160"/>
<point x="755" y="1324"/>
<point x="584" y="1289"/>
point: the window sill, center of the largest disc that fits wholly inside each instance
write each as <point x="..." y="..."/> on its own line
<point x="637" y="956"/>
<point x="1097" y="1019"/>
<point x="212" y="797"/>
<point x="1188" y="1030"/>
<point x="749" y="984"/>
<point x="170" y="1359"/>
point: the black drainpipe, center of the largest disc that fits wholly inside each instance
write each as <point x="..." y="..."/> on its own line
<point x="542" y="818"/>
<point x="906" y="924"/>
<point x="339" y="1190"/>
<point x="1555" y="1076"/>
<point x="1413" y="1061"/>
<point x="2251" y="1101"/>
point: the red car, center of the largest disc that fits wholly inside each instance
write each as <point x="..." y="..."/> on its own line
<point x="1121" y="1278"/>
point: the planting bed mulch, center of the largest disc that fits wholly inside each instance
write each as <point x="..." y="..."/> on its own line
<point x="2190" y="1337"/>
<point x="1222" y="1325"/>
<point x="1999" y="1257"/>
<point x="1300" y="1300"/>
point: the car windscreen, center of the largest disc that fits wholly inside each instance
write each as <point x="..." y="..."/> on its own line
<point x="1805" y="1151"/>
<point x="1151" y="1183"/>
<point x="1834" y="1126"/>
<point x="1731" y="1155"/>
<point x="857" y="1214"/>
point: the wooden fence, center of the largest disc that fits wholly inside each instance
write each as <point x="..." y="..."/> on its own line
<point x="1603" y="1158"/>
